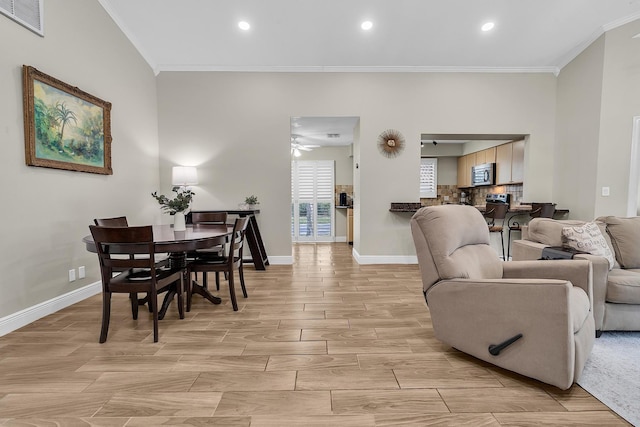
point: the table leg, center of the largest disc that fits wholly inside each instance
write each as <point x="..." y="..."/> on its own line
<point x="196" y="288"/>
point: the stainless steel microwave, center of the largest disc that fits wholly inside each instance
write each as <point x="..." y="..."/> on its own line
<point x="484" y="174"/>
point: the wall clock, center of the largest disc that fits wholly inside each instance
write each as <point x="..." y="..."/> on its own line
<point x="390" y="143"/>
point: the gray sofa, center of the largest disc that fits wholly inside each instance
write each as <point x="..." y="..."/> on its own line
<point x="479" y="304"/>
<point x="616" y="291"/>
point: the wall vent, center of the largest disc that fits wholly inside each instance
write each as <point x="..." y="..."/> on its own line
<point x="27" y="13"/>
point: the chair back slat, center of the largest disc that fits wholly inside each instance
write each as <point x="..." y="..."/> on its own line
<point x="124" y="240"/>
<point x="120" y="221"/>
<point x="209" y="217"/>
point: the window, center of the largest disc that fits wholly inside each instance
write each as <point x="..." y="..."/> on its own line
<point x="27" y="13"/>
<point x="428" y="178"/>
<point x="312" y="200"/>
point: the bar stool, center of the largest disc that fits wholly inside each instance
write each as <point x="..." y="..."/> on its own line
<point x="496" y="212"/>
<point x="538" y="210"/>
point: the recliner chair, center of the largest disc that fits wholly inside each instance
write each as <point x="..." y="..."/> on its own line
<point x="530" y="317"/>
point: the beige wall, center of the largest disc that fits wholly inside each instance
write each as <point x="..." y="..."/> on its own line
<point x="620" y="103"/>
<point x="46" y="212"/>
<point x="235" y="128"/>
<point x="598" y="96"/>
<point x="578" y="126"/>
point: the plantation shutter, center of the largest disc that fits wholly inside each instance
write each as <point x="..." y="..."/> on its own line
<point x="27" y="13"/>
<point x="428" y="178"/>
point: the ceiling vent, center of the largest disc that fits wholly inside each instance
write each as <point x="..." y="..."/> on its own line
<point x="27" y="13"/>
<point x="333" y="135"/>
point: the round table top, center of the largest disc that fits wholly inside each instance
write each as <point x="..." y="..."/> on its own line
<point x="193" y="238"/>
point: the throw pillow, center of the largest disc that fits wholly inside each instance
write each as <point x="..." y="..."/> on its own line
<point x="588" y="238"/>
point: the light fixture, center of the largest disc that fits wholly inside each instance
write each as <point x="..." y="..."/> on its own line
<point x="184" y="175"/>
<point x="488" y="26"/>
<point x="244" y="25"/>
<point x="297" y="152"/>
<point x="366" y="25"/>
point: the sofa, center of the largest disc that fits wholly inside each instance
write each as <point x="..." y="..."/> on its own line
<point x="616" y="285"/>
<point x="522" y="316"/>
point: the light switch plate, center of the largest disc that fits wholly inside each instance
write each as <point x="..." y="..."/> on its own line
<point x="605" y="191"/>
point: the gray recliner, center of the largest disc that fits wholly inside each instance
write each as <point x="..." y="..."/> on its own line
<point x="530" y="317"/>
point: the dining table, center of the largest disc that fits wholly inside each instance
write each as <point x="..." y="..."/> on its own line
<point x="177" y="244"/>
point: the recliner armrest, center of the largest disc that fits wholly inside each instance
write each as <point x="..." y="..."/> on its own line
<point x="578" y="272"/>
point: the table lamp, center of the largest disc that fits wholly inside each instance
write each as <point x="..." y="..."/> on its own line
<point x="184" y="175"/>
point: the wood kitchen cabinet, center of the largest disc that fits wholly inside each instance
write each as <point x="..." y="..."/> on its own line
<point x="486" y="156"/>
<point x="465" y="163"/>
<point x="510" y="163"/>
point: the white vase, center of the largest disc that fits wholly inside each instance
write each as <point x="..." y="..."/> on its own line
<point x="178" y="222"/>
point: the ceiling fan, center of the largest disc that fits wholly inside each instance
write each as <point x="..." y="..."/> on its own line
<point x="296" y="147"/>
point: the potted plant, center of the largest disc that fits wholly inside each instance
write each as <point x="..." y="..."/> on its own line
<point x="177" y="206"/>
<point x="250" y="202"/>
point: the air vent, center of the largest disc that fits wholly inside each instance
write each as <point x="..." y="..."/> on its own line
<point x="333" y="135"/>
<point x="27" y="13"/>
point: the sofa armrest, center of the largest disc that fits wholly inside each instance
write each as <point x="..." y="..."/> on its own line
<point x="578" y="272"/>
<point x="526" y="250"/>
<point x="600" y="267"/>
<point x="472" y="314"/>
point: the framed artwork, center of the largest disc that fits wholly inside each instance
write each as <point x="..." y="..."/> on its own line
<point x="64" y="127"/>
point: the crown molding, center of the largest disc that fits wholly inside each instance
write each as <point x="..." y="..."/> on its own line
<point x="354" y="69"/>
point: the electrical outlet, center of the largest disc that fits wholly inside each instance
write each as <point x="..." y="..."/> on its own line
<point x="81" y="272"/>
<point x="72" y="274"/>
<point x="446" y="198"/>
<point x="605" y="191"/>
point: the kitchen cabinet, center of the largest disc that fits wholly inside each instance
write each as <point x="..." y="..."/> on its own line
<point x="486" y="156"/>
<point x="465" y="163"/>
<point x="510" y="163"/>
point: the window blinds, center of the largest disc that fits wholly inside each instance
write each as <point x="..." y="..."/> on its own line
<point x="428" y="178"/>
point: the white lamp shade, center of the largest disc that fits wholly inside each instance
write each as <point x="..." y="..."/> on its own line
<point x="184" y="175"/>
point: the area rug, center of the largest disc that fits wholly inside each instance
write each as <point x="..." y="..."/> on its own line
<point x="612" y="373"/>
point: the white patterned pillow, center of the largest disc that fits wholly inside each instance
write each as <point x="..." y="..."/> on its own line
<point x="588" y="238"/>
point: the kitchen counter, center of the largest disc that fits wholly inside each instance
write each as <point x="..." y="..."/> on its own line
<point x="413" y="207"/>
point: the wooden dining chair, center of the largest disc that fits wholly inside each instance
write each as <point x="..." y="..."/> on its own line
<point x="119" y="221"/>
<point x="209" y="218"/>
<point x="223" y="263"/>
<point x="136" y="273"/>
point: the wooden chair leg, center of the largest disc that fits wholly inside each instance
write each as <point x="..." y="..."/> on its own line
<point x="180" y="292"/>
<point x="232" y="293"/>
<point x="241" y="274"/>
<point x="106" y="314"/>
<point x="153" y="303"/>
<point x="218" y="280"/>
<point x="133" y="298"/>
<point x="189" y="290"/>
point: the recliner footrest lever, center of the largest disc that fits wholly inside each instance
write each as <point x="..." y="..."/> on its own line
<point x="495" y="349"/>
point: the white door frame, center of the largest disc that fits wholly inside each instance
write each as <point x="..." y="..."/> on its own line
<point x="634" y="169"/>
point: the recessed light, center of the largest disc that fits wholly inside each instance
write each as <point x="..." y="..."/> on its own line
<point x="366" y="25"/>
<point x="488" y="26"/>
<point x="244" y="25"/>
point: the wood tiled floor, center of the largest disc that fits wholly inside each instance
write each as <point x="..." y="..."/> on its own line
<point x="325" y="342"/>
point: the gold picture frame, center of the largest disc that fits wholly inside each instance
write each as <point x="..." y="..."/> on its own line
<point x="64" y="127"/>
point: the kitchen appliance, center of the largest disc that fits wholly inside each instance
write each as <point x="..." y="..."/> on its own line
<point x="484" y="174"/>
<point x="498" y="198"/>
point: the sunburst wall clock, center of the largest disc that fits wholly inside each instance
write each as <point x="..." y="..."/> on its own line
<point x="390" y="143"/>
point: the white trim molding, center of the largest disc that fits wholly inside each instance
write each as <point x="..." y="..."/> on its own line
<point x="384" y="259"/>
<point x="280" y="260"/>
<point x="634" y="171"/>
<point x="22" y="318"/>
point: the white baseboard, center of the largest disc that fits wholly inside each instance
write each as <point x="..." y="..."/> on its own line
<point x="280" y="260"/>
<point x="384" y="259"/>
<point x="22" y="318"/>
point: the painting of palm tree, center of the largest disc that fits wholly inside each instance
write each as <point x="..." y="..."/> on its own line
<point x="65" y="127"/>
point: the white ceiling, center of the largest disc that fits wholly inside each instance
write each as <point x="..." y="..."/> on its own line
<point x="325" y="35"/>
